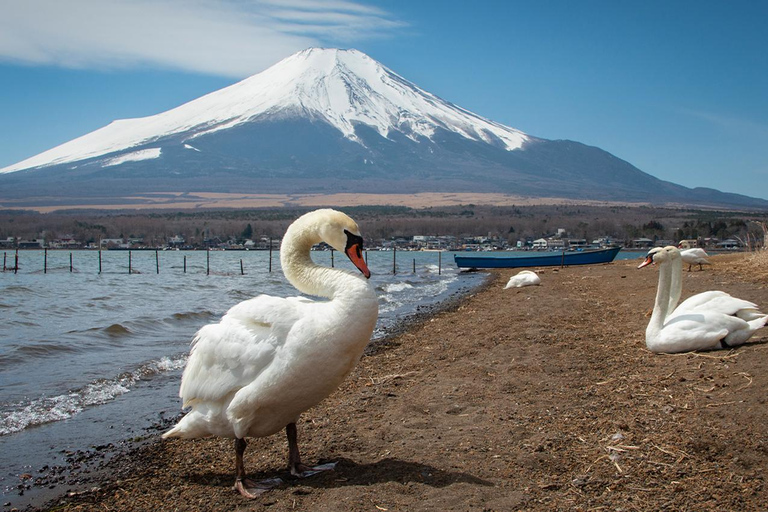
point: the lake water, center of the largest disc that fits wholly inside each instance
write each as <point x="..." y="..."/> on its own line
<point x="89" y="358"/>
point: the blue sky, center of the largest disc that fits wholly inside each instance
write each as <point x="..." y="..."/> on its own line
<point x="677" y="88"/>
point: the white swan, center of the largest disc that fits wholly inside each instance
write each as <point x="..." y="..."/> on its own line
<point x="269" y="358"/>
<point x="695" y="256"/>
<point x="706" y="321"/>
<point x="523" y="278"/>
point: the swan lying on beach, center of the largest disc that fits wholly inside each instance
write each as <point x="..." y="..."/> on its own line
<point x="523" y="278"/>
<point x="706" y="321"/>
<point x="270" y="358"/>
<point x="695" y="256"/>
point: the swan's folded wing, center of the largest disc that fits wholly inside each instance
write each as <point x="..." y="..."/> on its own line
<point x="715" y="302"/>
<point x="228" y="356"/>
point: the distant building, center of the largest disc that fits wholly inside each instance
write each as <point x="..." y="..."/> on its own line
<point x="35" y="243"/>
<point x="176" y="241"/>
<point x="729" y="244"/>
<point x="642" y="243"/>
<point x="577" y="243"/>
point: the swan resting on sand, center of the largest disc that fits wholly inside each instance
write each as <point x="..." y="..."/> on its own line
<point x="271" y="358"/>
<point x="523" y="278"/>
<point x="706" y="321"/>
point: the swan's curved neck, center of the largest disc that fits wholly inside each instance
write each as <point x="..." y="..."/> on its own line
<point x="676" y="283"/>
<point x="305" y="274"/>
<point x="662" y="305"/>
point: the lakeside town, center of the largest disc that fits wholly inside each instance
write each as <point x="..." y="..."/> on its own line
<point x="559" y="241"/>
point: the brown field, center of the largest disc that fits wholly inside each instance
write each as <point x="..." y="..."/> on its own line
<point x="213" y="200"/>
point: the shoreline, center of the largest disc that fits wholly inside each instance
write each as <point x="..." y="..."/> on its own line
<point x="526" y="399"/>
<point x="86" y="467"/>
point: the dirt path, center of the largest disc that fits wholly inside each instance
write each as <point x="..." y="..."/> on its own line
<point x="542" y="398"/>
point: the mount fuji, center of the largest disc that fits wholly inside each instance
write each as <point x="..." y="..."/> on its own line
<point x="325" y="121"/>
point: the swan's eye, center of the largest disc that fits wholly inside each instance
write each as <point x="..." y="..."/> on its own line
<point x="355" y="241"/>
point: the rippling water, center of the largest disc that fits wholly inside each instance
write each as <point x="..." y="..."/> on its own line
<point x="89" y="358"/>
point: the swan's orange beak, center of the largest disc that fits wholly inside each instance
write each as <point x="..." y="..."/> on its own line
<point x="648" y="260"/>
<point x="355" y="254"/>
<point x="354" y="251"/>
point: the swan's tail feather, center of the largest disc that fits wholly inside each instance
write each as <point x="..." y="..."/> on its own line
<point x="174" y="432"/>
<point x="758" y="322"/>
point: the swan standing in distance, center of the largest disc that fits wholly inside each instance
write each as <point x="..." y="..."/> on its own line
<point x="706" y="321"/>
<point x="523" y="278"/>
<point x="695" y="256"/>
<point x="269" y="358"/>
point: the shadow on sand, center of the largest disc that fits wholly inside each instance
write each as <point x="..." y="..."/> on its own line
<point x="349" y="473"/>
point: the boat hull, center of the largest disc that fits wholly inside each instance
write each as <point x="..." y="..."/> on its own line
<point x="541" y="260"/>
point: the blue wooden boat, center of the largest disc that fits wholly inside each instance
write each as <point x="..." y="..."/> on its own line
<point x="550" y="259"/>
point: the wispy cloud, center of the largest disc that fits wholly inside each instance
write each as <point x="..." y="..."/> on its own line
<point x="224" y="37"/>
<point x="729" y="123"/>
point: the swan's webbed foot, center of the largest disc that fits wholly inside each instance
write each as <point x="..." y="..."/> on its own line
<point x="303" y="471"/>
<point x="251" y="489"/>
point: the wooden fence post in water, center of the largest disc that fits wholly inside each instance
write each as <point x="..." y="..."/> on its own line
<point x="242" y="272"/>
<point x="16" y="266"/>
<point x="45" y="260"/>
<point x="157" y="261"/>
<point x="331" y="258"/>
<point x="185" y="263"/>
<point x="5" y="255"/>
<point x="208" y="262"/>
<point x="394" y="260"/>
<point x="440" y="263"/>
<point x="99" y="256"/>
<point x="129" y="261"/>
<point x="414" y="265"/>
<point x="270" y="254"/>
<point x="70" y="263"/>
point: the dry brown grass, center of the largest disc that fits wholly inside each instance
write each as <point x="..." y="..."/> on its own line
<point x="748" y="266"/>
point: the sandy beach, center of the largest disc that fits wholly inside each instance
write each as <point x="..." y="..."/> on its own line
<point x="540" y="398"/>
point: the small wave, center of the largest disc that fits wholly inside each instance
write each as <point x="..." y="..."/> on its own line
<point x="18" y="288"/>
<point x="45" y="410"/>
<point x="396" y="287"/>
<point x="43" y="349"/>
<point x="116" y="331"/>
<point x="192" y="315"/>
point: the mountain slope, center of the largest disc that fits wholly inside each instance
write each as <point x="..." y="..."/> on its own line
<point x="326" y="121"/>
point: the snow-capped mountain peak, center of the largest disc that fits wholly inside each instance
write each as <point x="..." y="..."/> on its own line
<point x="344" y="88"/>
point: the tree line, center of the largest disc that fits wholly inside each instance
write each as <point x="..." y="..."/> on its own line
<point x="622" y="223"/>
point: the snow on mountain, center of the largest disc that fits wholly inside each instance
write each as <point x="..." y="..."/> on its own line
<point x="340" y="87"/>
<point x="135" y="156"/>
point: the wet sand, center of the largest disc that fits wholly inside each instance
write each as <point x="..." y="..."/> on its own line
<point x="540" y="398"/>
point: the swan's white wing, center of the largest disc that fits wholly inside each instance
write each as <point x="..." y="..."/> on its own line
<point x="228" y="356"/>
<point x="716" y="302"/>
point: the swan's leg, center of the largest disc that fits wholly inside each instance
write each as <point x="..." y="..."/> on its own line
<point x="689" y="267"/>
<point x="294" y="457"/>
<point x="245" y="486"/>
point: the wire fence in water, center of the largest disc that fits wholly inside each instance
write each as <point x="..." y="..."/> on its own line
<point x="210" y="262"/>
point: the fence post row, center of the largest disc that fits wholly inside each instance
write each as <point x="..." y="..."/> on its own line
<point x="207" y="259"/>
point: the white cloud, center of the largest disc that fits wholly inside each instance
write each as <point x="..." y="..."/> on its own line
<point x="235" y="38"/>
